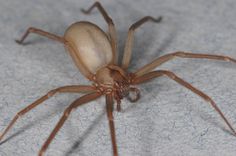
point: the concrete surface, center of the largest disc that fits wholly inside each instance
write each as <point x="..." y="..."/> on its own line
<point x="168" y="120"/>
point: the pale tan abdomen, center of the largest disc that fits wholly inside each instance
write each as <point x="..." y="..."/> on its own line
<point x="90" y="45"/>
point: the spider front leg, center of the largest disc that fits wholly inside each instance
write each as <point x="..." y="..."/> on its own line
<point x="109" y="108"/>
<point x="69" y="89"/>
<point x="171" y="75"/>
<point x="157" y="62"/>
<point x="41" y="33"/>
<point x="111" y="27"/>
<point x="82" y="100"/>
<point x="130" y="38"/>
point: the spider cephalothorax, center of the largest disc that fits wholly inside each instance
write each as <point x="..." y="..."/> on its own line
<point x="114" y="80"/>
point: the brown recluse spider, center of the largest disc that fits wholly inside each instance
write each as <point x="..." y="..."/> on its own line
<point x="95" y="54"/>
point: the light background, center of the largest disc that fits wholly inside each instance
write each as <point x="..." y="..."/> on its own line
<point x="168" y="120"/>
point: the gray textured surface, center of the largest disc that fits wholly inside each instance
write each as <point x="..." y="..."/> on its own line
<point x="168" y="120"/>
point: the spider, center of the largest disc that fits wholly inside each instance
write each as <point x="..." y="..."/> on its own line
<point x="95" y="54"/>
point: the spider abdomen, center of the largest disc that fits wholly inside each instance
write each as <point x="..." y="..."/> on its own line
<point x="89" y="46"/>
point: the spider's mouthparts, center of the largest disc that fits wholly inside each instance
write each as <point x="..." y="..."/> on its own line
<point x="134" y="94"/>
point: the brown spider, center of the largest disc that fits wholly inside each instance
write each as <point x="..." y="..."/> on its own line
<point x="95" y="54"/>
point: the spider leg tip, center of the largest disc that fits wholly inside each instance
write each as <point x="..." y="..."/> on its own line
<point x="1" y="136"/>
<point x="159" y="19"/>
<point x="84" y="11"/>
<point x="18" y="41"/>
<point x="234" y="133"/>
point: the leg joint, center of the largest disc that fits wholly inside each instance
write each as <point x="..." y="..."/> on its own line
<point x="31" y="29"/>
<point x="179" y="53"/>
<point x="168" y="73"/>
<point x="19" y="114"/>
<point x="52" y="92"/>
<point x="110" y="21"/>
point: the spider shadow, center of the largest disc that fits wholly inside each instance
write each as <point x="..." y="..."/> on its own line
<point x="204" y="115"/>
<point x="216" y="122"/>
<point x="144" y="43"/>
<point x="33" y="123"/>
<point x="43" y="48"/>
<point x="142" y="46"/>
<point x="145" y="141"/>
<point x="76" y="146"/>
<point x="14" y="135"/>
<point x="35" y="43"/>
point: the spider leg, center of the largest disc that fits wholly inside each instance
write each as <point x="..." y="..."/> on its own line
<point x="70" y="89"/>
<point x="130" y="38"/>
<point x="157" y="62"/>
<point x="82" y="100"/>
<point x="109" y="108"/>
<point x="111" y="27"/>
<point x="41" y="33"/>
<point x="174" y="77"/>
